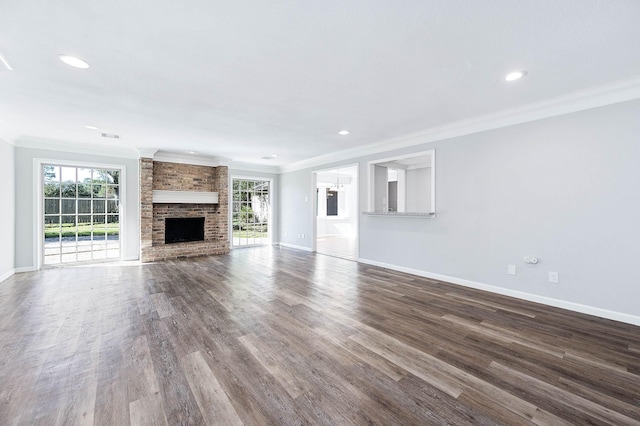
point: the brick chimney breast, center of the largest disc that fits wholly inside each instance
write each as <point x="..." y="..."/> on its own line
<point x="159" y="175"/>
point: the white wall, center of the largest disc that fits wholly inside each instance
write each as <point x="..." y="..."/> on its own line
<point x="563" y="189"/>
<point x="26" y="207"/>
<point x="7" y="212"/>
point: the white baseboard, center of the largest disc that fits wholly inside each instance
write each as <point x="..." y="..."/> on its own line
<point x="293" y="246"/>
<point x="557" y="303"/>
<point x="25" y="269"/>
<point x="7" y="274"/>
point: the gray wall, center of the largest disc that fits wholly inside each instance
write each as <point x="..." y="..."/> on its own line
<point x="297" y="208"/>
<point x="419" y="190"/>
<point x="26" y="209"/>
<point x="563" y="189"/>
<point x="381" y="196"/>
<point x="275" y="201"/>
<point x="7" y="212"/>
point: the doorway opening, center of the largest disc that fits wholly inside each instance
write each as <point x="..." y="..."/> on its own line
<point x="337" y="212"/>
<point x="251" y="212"/>
<point x="81" y="220"/>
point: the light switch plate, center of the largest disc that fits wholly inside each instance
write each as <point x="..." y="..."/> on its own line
<point x="511" y="269"/>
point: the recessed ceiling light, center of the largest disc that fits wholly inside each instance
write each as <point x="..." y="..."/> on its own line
<point x="91" y="127"/>
<point x="74" y="61"/>
<point x="516" y="75"/>
<point x="344" y="132"/>
<point x="191" y="152"/>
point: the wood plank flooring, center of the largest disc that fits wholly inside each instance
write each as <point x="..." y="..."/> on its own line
<point x="276" y="336"/>
<point x="342" y="247"/>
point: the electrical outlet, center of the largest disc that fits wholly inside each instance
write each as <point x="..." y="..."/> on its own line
<point x="511" y="269"/>
<point x="553" y="277"/>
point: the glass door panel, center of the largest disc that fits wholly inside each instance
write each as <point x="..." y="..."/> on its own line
<point x="81" y="214"/>
<point x="250" y="212"/>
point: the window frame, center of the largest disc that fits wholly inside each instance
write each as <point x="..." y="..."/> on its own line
<point x="38" y="202"/>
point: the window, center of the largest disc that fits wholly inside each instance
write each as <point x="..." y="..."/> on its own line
<point x="81" y="214"/>
<point x="250" y="212"/>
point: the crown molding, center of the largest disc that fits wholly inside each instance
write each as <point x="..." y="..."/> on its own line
<point x="7" y="139"/>
<point x="192" y="159"/>
<point x="592" y="97"/>
<point x="7" y="136"/>
<point x="251" y="167"/>
<point x="76" y="147"/>
<point x="147" y="152"/>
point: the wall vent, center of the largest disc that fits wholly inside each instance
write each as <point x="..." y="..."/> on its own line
<point x="110" y="135"/>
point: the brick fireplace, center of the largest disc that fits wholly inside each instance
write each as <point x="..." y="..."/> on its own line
<point x="168" y="176"/>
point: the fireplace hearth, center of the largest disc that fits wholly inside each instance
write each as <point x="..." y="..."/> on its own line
<point x="183" y="229"/>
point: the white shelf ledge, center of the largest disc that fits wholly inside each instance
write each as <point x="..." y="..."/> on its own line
<point x="430" y="215"/>
<point x="184" y="197"/>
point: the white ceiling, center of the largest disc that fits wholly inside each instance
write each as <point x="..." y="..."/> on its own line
<point x="246" y="79"/>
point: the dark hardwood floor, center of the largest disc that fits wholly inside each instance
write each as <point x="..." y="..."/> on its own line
<point x="275" y="336"/>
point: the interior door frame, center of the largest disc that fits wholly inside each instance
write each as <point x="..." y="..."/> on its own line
<point x="314" y="205"/>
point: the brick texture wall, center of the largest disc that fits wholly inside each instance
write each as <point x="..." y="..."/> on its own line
<point x="182" y="177"/>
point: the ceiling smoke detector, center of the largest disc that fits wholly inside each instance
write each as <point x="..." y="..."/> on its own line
<point x="270" y="157"/>
<point x="110" y="135"/>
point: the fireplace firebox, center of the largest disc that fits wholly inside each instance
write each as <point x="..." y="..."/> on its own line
<point x="183" y="229"/>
